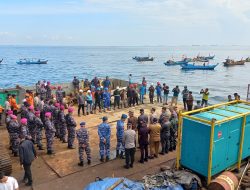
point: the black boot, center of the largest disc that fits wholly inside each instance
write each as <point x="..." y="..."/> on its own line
<point x="117" y="154"/>
<point x="80" y="163"/>
<point x="89" y="162"/>
<point x="122" y="155"/>
<point x="102" y="159"/>
<point x="107" y="158"/>
<point x="15" y="154"/>
<point x="49" y="152"/>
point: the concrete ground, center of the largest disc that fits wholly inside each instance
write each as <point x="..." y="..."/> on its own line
<point x="61" y="171"/>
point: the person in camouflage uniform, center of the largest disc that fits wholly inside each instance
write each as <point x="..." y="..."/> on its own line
<point x="7" y="122"/>
<point x="14" y="130"/>
<point x="62" y="124"/>
<point x="31" y="123"/>
<point x="83" y="141"/>
<point x="24" y="110"/>
<point x="173" y="129"/>
<point x="59" y="95"/>
<point x="49" y="132"/>
<point x="119" y="136"/>
<point x="104" y="133"/>
<point x="39" y="130"/>
<point x="71" y="125"/>
<point x="55" y="115"/>
<point x="24" y="131"/>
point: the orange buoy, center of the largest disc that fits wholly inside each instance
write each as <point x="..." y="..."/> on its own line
<point x="226" y="181"/>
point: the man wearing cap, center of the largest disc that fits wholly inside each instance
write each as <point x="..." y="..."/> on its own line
<point x="151" y="93"/>
<point x="39" y="130"/>
<point x="119" y="136"/>
<point x="184" y="93"/>
<point x="106" y="99"/>
<point x="49" y="132"/>
<point x="104" y="133"/>
<point x="165" y="135"/>
<point x="62" y="124"/>
<point x="71" y="125"/>
<point x="24" y="129"/>
<point x="24" y="109"/>
<point x="81" y="102"/>
<point x="31" y="123"/>
<point x="14" y="131"/>
<point x="117" y="97"/>
<point x="129" y="139"/>
<point x="83" y="141"/>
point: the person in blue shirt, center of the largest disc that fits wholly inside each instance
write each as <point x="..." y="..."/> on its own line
<point x="142" y="93"/>
<point x="119" y="135"/>
<point x="106" y="83"/>
<point x="158" y="89"/>
<point x="104" y="133"/>
<point x="106" y="99"/>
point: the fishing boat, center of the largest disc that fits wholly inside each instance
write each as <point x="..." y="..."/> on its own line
<point x="32" y="61"/>
<point x="1" y="60"/>
<point x="231" y="62"/>
<point x="198" y="67"/>
<point x="248" y="59"/>
<point x="141" y="59"/>
<point x="172" y="63"/>
<point x="207" y="57"/>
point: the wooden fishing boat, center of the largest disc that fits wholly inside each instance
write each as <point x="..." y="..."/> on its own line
<point x="173" y="63"/>
<point x="210" y="57"/>
<point x="198" y="67"/>
<point x="231" y="62"/>
<point x="32" y="61"/>
<point x="141" y="59"/>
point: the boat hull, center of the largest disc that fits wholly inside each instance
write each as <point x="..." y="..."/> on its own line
<point x="32" y="62"/>
<point x="198" y="67"/>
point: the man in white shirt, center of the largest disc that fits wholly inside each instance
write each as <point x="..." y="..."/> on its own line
<point x="8" y="183"/>
<point x="129" y="139"/>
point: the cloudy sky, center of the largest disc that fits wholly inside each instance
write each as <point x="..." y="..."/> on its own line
<point x="124" y="22"/>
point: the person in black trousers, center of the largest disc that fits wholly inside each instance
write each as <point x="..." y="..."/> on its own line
<point x="27" y="154"/>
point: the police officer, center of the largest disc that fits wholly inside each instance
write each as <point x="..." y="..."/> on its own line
<point x="165" y="134"/>
<point x="39" y="130"/>
<point x="62" y="124"/>
<point x="14" y="130"/>
<point x="31" y="123"/>
<point x="83" y="140"/>
<point x="104" y="134"/>
<point x="119" y="136"/>
<point x="49" y="132"/>
<point x="71" y="125"/>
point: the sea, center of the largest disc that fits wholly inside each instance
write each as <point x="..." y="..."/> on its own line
<point x="116" y="62"/>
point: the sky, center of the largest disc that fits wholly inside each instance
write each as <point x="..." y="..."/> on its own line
<point x="124" y="22"/>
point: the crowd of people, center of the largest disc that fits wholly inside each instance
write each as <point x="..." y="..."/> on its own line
<point x="45" y="111"/>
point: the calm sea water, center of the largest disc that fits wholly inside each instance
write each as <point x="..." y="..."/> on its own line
<point x="116" y="62"/>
